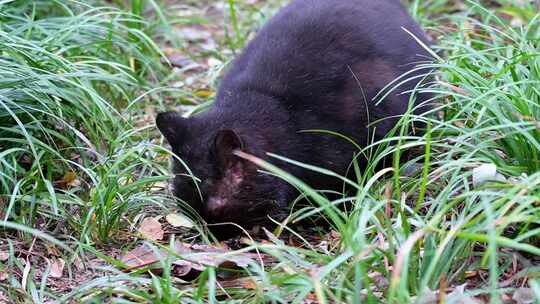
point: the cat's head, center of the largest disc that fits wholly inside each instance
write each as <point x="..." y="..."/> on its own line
<point x="219" y="185"/>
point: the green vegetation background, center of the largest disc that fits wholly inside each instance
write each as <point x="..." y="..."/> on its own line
<point x="81" y="163"/>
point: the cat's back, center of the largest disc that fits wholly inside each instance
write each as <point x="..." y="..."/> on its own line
<point x="309" y="46"/>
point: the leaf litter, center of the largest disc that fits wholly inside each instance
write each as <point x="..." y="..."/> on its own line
<point x="151" y="229"/>
<point x="57" y="268"/>
<point x="189" y="260"/>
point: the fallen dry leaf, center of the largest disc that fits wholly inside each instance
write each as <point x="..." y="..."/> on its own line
<point x="311" y="298"/>
<point x="202" y="256"/>
<point x="470" y="274"/>
<point x="193" y="258"/>
<point x="150" y="229"/>
<point x="141" y="256"/>
<point x="195" y="33"/>
<point x="183" y="269"/>
<point x="52" y="250"/>
<point x="4" y="256"/>
<point x="247" y="283"/>
<point x="3" y="275"/>
<point x="179" y="60"/>
<point x="57" y="268"/>
<point x="78" y="263"/>
<point x="179" y="220"/>
<point x="69" y="180"/>
<point x="454" y="88"/>
<point x="333" y="238"/>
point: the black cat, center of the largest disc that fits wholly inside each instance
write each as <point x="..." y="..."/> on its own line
<point x="317" y="64"/>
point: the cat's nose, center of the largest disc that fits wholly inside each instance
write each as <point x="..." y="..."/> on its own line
<point x="215" y="209"/>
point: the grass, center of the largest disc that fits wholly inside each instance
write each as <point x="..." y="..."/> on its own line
<point x="73" y="162"/>
<point x="81" y="163"/>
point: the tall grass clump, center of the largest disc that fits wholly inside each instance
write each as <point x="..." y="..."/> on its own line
<point x="494" y="75"/>
<point x="70" y="152"/>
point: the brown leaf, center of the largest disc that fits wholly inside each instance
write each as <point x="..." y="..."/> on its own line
<point x="69" y="177"/>
<point x="195" y="33"/>
<point x="4" y="256"/>
<point x="141" y="256"/>
<point x="459" y="90"/>
<point x="193" y="258"/>
<point x="247" y="283"/>
<point x="470" y="274"/>
<point x="52" y="250"/>
<point x="183" y="269"/>
<point x="179" y="60"/>
<point x="150" y="229"/>
<point x="291" y="241"/>
<point x="187" y="64"/>
<point x="333" y="238"/>
<point x="57" y="268"/>
<point x="69" y="180"/>
<point x="218" y="260"/>
<point x="78" y="263"/>
<point x="311" y="298"/>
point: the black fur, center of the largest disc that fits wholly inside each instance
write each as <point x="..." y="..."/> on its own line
<point x="318" y="64"/>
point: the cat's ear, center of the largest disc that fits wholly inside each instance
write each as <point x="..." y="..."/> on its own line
<point x="225" y="143"/>
<point x="172" y="126"/>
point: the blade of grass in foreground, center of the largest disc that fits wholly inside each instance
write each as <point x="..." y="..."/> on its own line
<point x="333" y="213"/>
